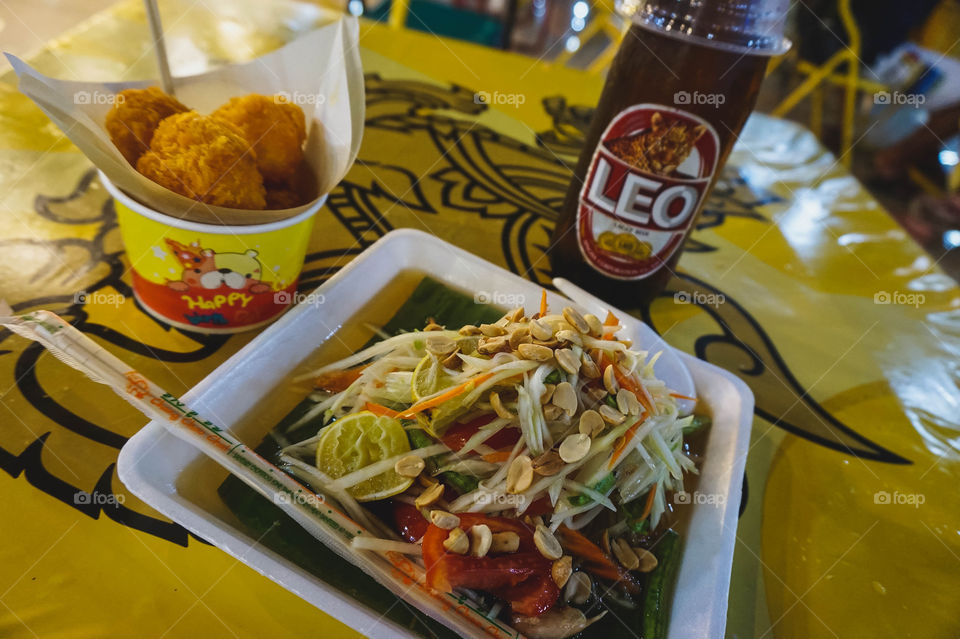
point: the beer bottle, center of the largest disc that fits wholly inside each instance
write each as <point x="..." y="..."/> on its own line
<point x="682" y="84"/>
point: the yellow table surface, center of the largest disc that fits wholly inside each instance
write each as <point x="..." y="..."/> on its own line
<point x="795" y="279"/>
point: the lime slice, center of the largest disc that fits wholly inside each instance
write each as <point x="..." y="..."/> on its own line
<point x="356" y="441"/>
<point x="428" y="378"/>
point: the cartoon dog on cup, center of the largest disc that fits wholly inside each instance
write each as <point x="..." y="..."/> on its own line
<point x="206" y="269"/>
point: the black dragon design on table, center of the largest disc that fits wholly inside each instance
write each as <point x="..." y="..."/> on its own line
<point x="460" y="179"/>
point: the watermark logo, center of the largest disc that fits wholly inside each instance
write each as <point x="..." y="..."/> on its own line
<point x="103" y="298"/>
<point x="899" y="298"/>
<point x="499" y="99"/>
<point x="502" y="500"/>
<point x="698" y="498"/>
<point x="97" y="97"/>
<point x="687" y="98"/>
<point x="499" y="298"/>
<point x="83" y="498"/>
<point x="285" y="298"/>
<point x="899" y="98"/>
<point x="699" y="298"/>
<point x="897" y="498"/>
<point x="300" y="98"/>
<point x="307" y="499"/>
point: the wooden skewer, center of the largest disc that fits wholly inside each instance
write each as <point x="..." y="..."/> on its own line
<point x="156" y="33"/>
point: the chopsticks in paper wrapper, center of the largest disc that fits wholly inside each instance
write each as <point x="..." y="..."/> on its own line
<point x="402" y="575"/>
<point x="320" y="71"/>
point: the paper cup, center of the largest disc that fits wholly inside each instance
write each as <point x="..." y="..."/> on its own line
<point x="208" y="278"/>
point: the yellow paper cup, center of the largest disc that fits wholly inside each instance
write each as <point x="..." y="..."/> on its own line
<point x="208" y="278"/>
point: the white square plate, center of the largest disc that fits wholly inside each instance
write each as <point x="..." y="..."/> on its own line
<point x="154" y="462"/>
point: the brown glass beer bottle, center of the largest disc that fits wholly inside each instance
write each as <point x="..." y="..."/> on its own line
<point x="677" y="94"/>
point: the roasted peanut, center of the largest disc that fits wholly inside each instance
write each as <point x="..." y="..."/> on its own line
<point x="520" y="474"/>
<point x="574" y="447"/>
<point x="443" y="519"/>
<point x="546" y="543"/>
<point x="409" y="466"/>
<point x="457" y="542"/>
<point x="429" y="496"/>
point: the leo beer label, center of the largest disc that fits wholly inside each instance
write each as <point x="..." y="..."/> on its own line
<point x="644" y="187"/>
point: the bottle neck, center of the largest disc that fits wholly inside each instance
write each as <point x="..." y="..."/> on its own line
<point x="744" y="27"/>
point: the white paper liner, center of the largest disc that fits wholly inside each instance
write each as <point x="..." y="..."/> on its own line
<point x="320" y="71"/>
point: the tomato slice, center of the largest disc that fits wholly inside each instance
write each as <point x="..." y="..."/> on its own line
<point x="490" y="573"/>
<point x="522" y="578"/>
<point x="539" y="508"/>
<point x="458" y="434"/>
<point x="448" y="570"/>
<point x="408" y="521"/>
<point x="532" y="596"/>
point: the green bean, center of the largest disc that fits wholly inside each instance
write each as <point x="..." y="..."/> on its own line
<point x="634" y="519"/>
<point x="419" y="438"/>
<point x="601" y="486"/>
<point x="458" y="481"/>
<point x="461" y="483"/>
<point x="656" y="601"/>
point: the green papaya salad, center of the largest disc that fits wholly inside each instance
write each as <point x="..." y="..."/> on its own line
<point x="529" y="463"/>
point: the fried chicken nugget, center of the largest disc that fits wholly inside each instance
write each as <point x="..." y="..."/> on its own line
<point x="134" y="117"/>
<point x="206" y="159"/>
<point x="278" y="198"/>
<point x="275" y="128"/>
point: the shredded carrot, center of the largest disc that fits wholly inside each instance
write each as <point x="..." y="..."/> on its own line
<point x="679" y="396"/>
<point x="611" y="320"/>
<point x="378" y="409"/>
<point x="627" y="382"/>
<point x="636" y="390"/>
<point x="597" y="561"/>
<point x="543" y="302"/>
<point x="497" y="457"/>
<point x="649" y="505"/>
<point x="622" y="444"/>
<point x="459" y="389"/>
<point x="625" y="440"/>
